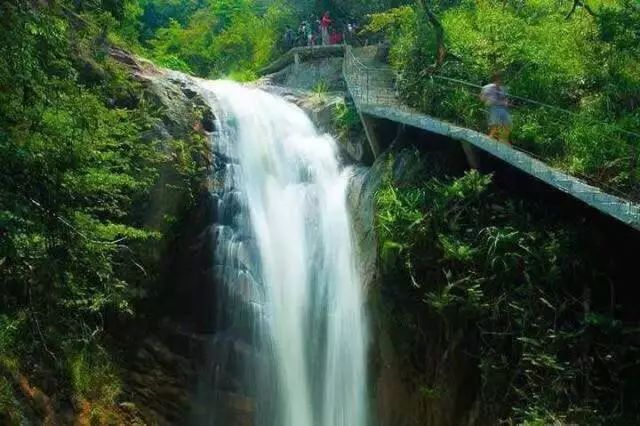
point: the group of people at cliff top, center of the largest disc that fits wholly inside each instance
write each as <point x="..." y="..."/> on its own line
<point x="325" y="32"/>
<point x="322" y="32"/>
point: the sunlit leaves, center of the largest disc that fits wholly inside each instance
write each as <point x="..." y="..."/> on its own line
<point x="221" y="38"/>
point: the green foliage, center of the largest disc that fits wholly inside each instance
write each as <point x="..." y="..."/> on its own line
<point x="11" y="411"/>
<point x="319" y="92"/>
<point x="584" y="64"/>
<point x="79" y="169"/>
<point x="346" y="120"/>
<point x="93" y="375"/>
<point x="459" y="257"/>
<point x="354" y="9"/>
<point x="400" y="25"/>
<point x="129" y="24"/>
<point x="221" y="38"/>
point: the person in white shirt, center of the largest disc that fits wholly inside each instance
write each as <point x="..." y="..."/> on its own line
<point x="495" y="97"/>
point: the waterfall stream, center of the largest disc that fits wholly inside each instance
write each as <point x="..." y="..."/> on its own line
<point x="293" y="305"/>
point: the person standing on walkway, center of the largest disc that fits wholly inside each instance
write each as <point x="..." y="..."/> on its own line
<point x="311" y="40"/>
<point x="302" y="35"/>
<point x="324" y="26"/>
<point x="288" y="38"/>
<point x="494" y="96"/>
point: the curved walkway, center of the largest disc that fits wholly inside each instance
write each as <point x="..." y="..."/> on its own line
<point x="372" y="87"/>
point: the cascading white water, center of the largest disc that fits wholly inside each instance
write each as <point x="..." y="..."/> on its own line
<point x="310" y="320"/>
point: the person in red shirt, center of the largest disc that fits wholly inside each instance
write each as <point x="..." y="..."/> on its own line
<point x="324" y="25"/>
<point x="336" y="37"/>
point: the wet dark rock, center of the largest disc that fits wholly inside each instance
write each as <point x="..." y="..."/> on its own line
<point x="231" y="206"/>
<point x="209" y="121"/>
<point x="167" y="373"/>
<point x="158" y="383"/>
<point x="190" y="92"/>
<point x="396" y="403"/>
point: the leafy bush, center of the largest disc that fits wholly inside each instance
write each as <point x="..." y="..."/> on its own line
<point x="460" y="258"/>
<point x="93" y="376"/>
<point x="345" y="120"/>
<point x="78" y="170"/>
<point x="222" y="38"/>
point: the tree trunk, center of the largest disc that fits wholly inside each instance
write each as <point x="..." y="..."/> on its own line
<point x="582" y="4"/>
<point x="441" y="52"/>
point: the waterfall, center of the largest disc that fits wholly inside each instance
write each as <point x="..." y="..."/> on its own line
<point x="293" y="298"/>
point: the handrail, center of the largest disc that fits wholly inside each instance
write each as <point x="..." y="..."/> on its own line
<point x="538" y="103"/>
<point x="478" y="86"/>
<point x="335" y="50"/>
<point x="361" y="77"/>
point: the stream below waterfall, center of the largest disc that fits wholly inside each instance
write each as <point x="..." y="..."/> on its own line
<point x="291" y="329"/>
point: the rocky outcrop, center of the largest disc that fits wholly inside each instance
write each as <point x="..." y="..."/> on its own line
<point x="322" y="109"/>
<point x="165" y="353"/>
<point x="395" y="402"/>
<point x="159" y="383"/>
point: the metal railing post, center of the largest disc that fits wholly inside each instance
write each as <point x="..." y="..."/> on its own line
<point x="367" y="72"/>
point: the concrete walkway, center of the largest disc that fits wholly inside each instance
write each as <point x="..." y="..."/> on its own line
<point x="371" y="84"/>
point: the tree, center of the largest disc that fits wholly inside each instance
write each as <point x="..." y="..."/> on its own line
<point x="432" y="18"/>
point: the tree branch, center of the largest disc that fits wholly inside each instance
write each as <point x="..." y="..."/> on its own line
<point x="580" y="3"/>
<point x="441" y="52"/>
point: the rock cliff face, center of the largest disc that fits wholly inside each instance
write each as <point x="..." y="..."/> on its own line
<point x="318" y="87"/>
<point x="394" y="402"/>
<point x="190" y="368"/>
<point x="166" y="345"/>
<point x="178" y="366"/>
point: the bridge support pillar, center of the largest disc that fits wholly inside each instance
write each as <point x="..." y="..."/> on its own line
<point x="296" y="60"/>
<point x="369" y="125"/>
<point x="471" y="154"/>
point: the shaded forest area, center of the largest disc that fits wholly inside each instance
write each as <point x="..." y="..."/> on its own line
<point x="505" y="309"/>
<point x="81" y="229"/>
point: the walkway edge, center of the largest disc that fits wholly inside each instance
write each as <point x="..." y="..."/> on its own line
<point x="619" y="208"/>
<point x="304" y="53"/>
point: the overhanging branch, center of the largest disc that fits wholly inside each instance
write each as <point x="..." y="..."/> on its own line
<point x="432" y="18"/>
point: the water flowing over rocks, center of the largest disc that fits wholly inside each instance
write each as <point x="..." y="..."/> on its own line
<point x="194" y="367"/>
<point x="283" y="270"/>
<point x="164" y="352"/>
<point x="395" y="403"/>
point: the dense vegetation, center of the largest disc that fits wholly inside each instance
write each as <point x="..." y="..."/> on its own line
<point x="78" y="171"/>
<point x="497" y="294"/>
<point x="580" y="59"/>
<point x="212" y="38"/>
<point x="225" y="38"/>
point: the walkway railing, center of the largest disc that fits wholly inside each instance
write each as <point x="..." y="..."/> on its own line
<point x="373" y="89"/>
<point x="303" y="53"/>
<point x="369" y="84"/>
<point x="374" y="84"/>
